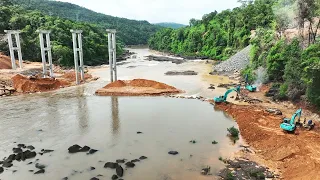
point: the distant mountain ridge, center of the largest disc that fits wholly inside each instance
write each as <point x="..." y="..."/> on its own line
<point x="131" y="32"/>
<point x="171" y="25"/>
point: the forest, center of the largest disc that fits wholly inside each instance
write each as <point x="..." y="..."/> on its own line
<point x="130" y="32"/>
<point x="95" y="43"/>
<point x="292" y="64"/>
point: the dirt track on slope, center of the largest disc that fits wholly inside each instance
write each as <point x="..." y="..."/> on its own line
<point x="297" y="155"/>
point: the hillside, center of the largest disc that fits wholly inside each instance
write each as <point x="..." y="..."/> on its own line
<point x="171" y="25"/>
<point x="131" y="32"/>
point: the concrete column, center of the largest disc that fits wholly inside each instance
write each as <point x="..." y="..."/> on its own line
<point x="12" y="48"/>
<point x="46" y="48"/>
<point x="78" y="54"/>
<point x="112" y="54"/>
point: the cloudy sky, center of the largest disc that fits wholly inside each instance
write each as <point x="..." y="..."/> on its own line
<point x="154" y="11"/>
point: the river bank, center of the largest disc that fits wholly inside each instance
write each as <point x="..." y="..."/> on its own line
<point x="74" y="115"/>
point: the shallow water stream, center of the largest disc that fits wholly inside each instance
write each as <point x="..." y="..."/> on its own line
<point x="57" y="120"/>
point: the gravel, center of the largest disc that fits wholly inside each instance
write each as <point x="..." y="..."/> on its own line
<point x="235" y="63"/>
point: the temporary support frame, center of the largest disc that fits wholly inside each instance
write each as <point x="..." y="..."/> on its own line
<point x="78" y="54"/>
<point x="17" y="48"/>
<point x="45" y="49"/>
<point x="112" y="54"/>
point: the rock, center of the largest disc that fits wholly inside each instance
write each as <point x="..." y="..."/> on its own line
<point x="21" y="146"/>
<point x="7" y="163"/>
<point x="205" y="171"/>
<point x="40" y="166"/>
<point x="1" y="170"/>
<point x="29" y="163"/>
<point x="178" y="73"/>
<point x="274" y="111"/>
<point x="74" y="149"/>
<point x="114" y="177"/>
<point x="130" y="164"/>
<point x="11" y="157"/>
<point x="269" y="175"/>
<point x="232" y="97"/>
<point x="100" y="175"/>
<point x="120" y="161"/>
<point x="31" y="170"/>
<point x="41" y="171"/>
<point x="143" y="158"/>
<point x="65" y="178"/>
<point x="47" y="151"/>
<point x="111" y="165"/>
<point x="29" y="154"/>
<point x="84" y="149"/>
<point x="163" y="58"/>
<point x="173" y="152"/>
<point x="139" y="132"/>
<point x="119" y="171"/>
<point x="92" y="168"/>
<point x="30" y="147"/>
<point x="94" y="178"/>
<point x="14" y="171"/>
<point x="92" y="151"/>
<point x="17" y="150"/>
<point x="135" y="160"/>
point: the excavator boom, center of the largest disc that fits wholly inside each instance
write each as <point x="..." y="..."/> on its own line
<point x="290" y="126"/>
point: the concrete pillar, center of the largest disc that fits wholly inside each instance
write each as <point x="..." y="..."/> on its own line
<point x="45" y="34"/>
<point x="112" y="54"/>
<point x="12" y="48"/>
<point x="78" y="54"/>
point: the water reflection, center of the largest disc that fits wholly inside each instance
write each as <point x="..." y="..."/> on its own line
<point x="82" y="110"/>
<point x="115" y="115"/>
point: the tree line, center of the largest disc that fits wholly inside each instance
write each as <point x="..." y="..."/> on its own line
<point x="130" y="32"/>
<point x="292" y="63"/>
<point x="95" y="42"/>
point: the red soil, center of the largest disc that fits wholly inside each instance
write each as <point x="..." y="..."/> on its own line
<point x="71" y="76"/>
<point x="5" y="62"/>
<point x="137" y="87"/>
<point x="23" y="84"/>
<point x="296" y="155"/>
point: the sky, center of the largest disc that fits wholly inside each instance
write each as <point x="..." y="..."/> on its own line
<point x="155" y="11"/>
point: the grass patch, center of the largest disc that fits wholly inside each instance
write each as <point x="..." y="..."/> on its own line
<point x="214" y="142"/>
<point x="234" y="132"/>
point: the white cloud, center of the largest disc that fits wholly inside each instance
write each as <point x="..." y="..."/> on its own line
<point x="179" y="11"/>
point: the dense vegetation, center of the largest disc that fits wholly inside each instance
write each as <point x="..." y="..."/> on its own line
<point x="292" y="65"/>
<point x="95" y="45"/>
<point x="216" y="35"/>
<point x="131" y="32"/>
<point x="171" y="25"/>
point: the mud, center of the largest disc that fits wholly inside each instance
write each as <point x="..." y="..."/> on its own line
<point x="181" y="73"/>
<point x="297" y="155"/>
<point x="23" y="84"/>
<point x="137" y="87"/>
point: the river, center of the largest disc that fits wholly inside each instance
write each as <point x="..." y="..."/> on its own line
<point x="74" y="115"/>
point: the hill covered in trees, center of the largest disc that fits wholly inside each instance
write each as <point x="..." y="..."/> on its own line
<point x="291" y="61"/>
<point x="95" y="43"/>
<point x="131" y="32"/>
<point x="171" y="25"/>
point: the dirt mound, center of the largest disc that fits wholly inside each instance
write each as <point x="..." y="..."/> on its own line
<point x="71" y="76"/>
<point x="137" y="87"/>
<point x="5" y="62"/>
<point x="297" y="156"/>
<point x="23" y="84"/>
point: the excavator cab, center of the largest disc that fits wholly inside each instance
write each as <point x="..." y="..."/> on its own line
<point x="220" y="99"/>
<point x="289" y="124"/>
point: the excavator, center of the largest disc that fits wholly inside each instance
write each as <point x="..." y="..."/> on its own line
<point x="251" y="88"/>
<point x="221" y="99"/>
<point x="289" y="124"/>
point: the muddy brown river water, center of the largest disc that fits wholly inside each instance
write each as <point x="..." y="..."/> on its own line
<point x="59" y="119"/>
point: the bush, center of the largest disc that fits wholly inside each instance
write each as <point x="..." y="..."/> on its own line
<point x="234" y="132"/>
<point x="283" y="92"/>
